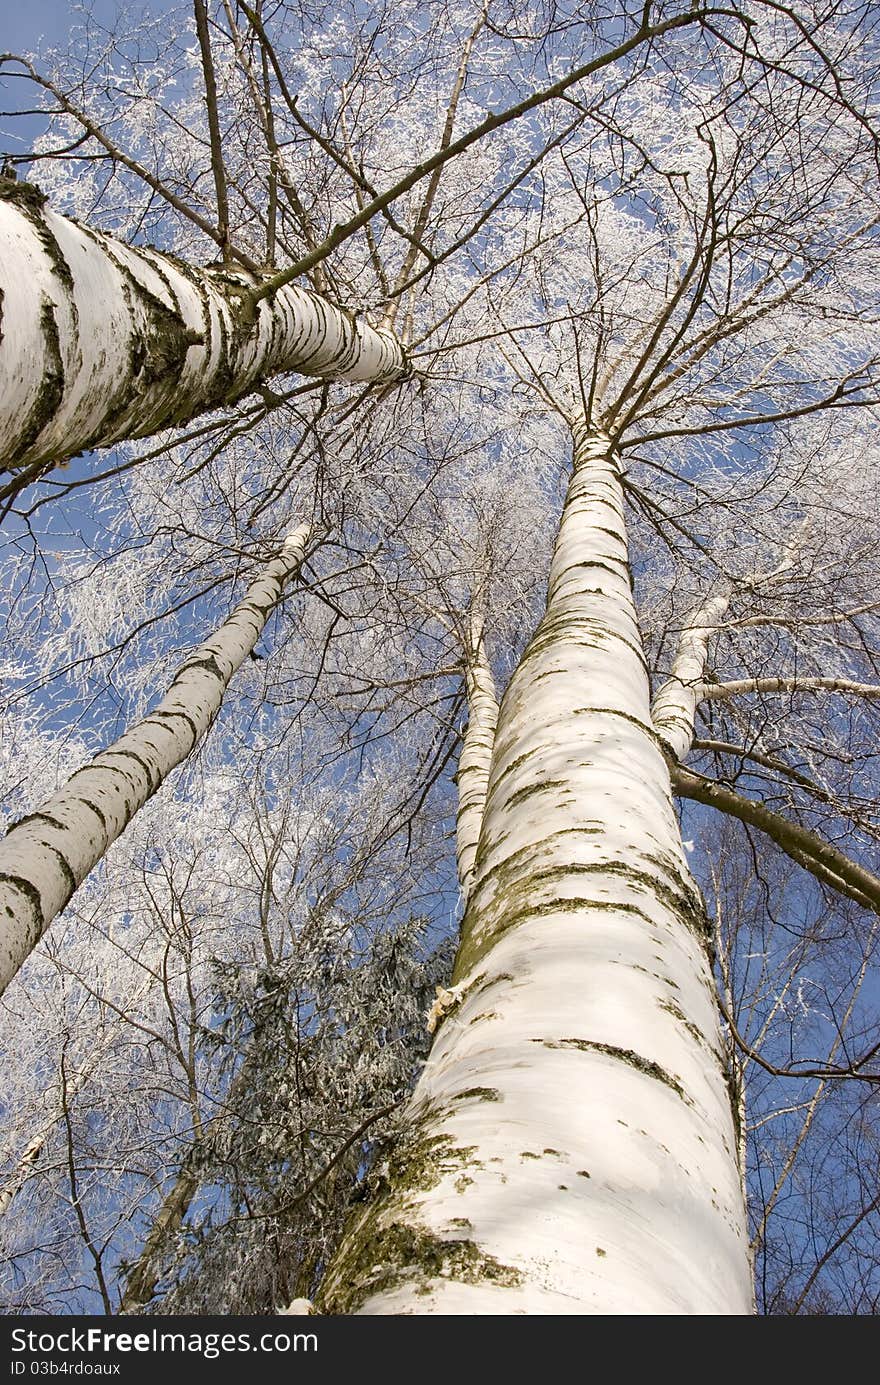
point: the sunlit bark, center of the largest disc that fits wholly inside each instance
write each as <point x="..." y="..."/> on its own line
<point x="101" y="341"/>
<point x="570" y="1146"/>
<point x="46" y="855"/>
<point x="675" y="706"/>
<point x="475" y="758"/>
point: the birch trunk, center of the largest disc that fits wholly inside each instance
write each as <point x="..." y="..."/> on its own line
<point x="674" y="708"/>
<point x="142" y="1279"/>
<point x="28" y="1158"/>
<point x="46" y="855"/>
<point x="570" y="1147"/>
<point x="101" y="341"/>
<point x="475" y="758"/>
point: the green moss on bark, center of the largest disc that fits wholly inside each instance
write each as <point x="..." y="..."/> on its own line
<point x="405" y="1254"/>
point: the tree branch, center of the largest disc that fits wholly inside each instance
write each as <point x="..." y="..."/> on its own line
<point x="809" y="850"/>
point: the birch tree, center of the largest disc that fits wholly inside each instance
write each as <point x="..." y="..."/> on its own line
<point x="185" y="339"/>
<point x="636" y="305"/>
<point x="48" y="853"/>
<point x="456" y="1225"/>
<point x="105" y="342"/>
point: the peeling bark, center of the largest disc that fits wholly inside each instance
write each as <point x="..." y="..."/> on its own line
<point x="46" y="855"/>
<point x="570" y="1147"/>
<point x="101" y="341"/>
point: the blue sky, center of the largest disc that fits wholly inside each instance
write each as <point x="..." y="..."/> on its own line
<point x="25" y="26"/>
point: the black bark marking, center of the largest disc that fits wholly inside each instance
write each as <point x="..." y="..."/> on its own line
<point x="522" y="794"/>
<point x="51" y="391"/>
<point x="36" y="817"/>
<point x="142" y="764"/>
<point x="622" y="1055"/>
<point x="93" y="807"/>
<point x="70" y="879"/>
<point x="207" y="661"/>
<point x="184" y="716"/>
<point x="32" y="895"/>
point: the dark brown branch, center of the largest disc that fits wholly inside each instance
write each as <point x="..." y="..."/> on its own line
<point x="822" y="1071"/>
<point x="809" y="850"/>
<point x="217" y="166"/>
<point x="134" y="166"/>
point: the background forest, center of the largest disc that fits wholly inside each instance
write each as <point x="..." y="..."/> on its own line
<point x="659" y="221"/>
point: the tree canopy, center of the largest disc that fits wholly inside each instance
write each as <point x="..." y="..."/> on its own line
<point x="500" y="222"/>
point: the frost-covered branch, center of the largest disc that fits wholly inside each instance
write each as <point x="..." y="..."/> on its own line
<point x="739" y="686"/>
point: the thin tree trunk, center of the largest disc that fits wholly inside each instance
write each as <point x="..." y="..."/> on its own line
<point x="102" y="341"/>
<point x="30" y="1154"/>
<point x="46" y="855"/>
<point x="570" y="1146"/>
<point x="144" y="1276"/>
<point x="475" y="757"/>
<point x="675" y="707"/>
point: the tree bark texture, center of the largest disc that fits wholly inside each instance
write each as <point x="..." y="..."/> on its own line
<point x="570" y="1147"/>
<point x="46" y="855"/>
<point x="101" y="341"/>
<point x="674" y="708"/>
<point x="475" y="759"/>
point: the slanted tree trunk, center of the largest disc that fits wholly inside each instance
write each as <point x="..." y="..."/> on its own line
<point x="140" y="1286"/>
<point x="46" y="855"/>
<point x="27" y="1160"/>
<point x="101" y="341"/>
<point x="570" y="1146"/>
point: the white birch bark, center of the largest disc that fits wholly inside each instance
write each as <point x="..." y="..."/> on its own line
<point x="29" y="1156"/>
<point x="570" y="1147"/>
<point x="46" y="855"/>
<point x="475" y="758"/>
<point x="142" y="1279"/>
<point x="674" y="708"/>
<point x="101" y="341"/>
<point x="26" y="1162"/>
<point x="741" y="686"/>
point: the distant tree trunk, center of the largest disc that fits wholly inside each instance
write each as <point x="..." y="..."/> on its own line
<point x="674" y="708"/>
<point x="570" y="1146"/>
<point x="27" y="1160"/>
<point x="101" y="341"/>
<point x="46" y="855"/>
<point x="144" y="1275"/>
<point x="476" y="756"/>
